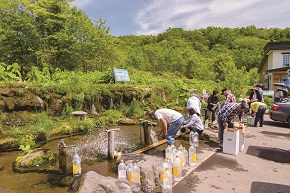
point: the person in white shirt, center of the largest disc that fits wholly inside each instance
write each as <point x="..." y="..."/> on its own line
<point x="194" y="123"/>
<point x="194" y="103"/>
<point x="171" y="121"/>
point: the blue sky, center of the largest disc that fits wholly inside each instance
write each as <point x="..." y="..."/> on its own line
<point x="151" y="17"/>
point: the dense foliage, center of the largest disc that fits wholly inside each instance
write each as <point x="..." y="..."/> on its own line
<point x="55" y="48"/>
<point x="46" y="35"/>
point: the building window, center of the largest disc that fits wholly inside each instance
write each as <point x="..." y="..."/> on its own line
<point x="286" y="59"/>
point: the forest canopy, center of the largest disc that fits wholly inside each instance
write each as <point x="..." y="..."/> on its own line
<point x="41" y="38"/>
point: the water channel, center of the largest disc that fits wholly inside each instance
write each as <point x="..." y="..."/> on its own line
<point x="93" y="149"/>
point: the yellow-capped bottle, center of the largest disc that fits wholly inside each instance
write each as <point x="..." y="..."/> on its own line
<point x="76" y="165"/>
<point x="177" y="172"/>
<point x="192" y="155"/>
<point x="167" y="182"/>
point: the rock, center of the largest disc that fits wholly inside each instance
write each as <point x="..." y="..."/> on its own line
<point x="27" y="158"/>
<point x="38" y="158"/>
<point x="67" y="181"/>
<point x="126" y="121"/>
<point x="93" y="182"/>
<point x="8" y="144"/>
<point x="56" y="106"/>
<point x="29" y="100"/>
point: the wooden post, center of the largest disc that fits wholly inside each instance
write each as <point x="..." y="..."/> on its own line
<point x="62" y="157"/>
<point x="146" y="133"/>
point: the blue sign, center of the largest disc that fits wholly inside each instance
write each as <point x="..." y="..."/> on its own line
<point x="121" y="75"/>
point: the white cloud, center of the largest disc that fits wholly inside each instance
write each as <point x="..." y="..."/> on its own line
<point x="159" y="15"/>
<point x="81" y="3"/>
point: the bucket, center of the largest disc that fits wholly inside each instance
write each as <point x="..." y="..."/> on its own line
<point x="250" y="121"/>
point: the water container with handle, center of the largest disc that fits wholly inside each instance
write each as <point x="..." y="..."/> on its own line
<point x="195" y="139"/>
<point x="77" y="170"/>
<point x="177" y="172"/>
<point x="122" y="170"/>
<point x="167" y="182"/>
<point x="192" y="156"/>
<point x="136" y="187"/>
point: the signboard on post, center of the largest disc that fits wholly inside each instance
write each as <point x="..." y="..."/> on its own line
<point x="121" y="75"/>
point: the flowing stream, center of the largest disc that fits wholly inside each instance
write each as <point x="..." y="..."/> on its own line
<point x="93" y="149"/>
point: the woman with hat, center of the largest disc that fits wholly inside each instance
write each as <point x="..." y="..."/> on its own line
<point x="255" y="95"/>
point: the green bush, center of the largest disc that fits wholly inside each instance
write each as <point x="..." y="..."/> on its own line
<point x="133" y="110"/>
<point x="87" y="125"/>
<point x="268" y="101"/>
<point x="109" y="117"/>
<point x="26" y="140"/>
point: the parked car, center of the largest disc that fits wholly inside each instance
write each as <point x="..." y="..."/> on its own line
<point x="280" y="111"/>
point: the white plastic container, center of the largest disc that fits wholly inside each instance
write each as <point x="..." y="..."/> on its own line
<point x="153" y="137"/>
<point x="195" y="139"/>
<point x="136" y="187"/>
<point x="122" y="173"/>
<point x="77" y="170"/>
<point x="162" y="169"/>
<point x="250" y="121"/>
<point x="241" y="140"/>
<point x="169" y="153"/>
<point x="167" y="183"/>
<point x="177" y="171"/>
<point x="192" y="155"/>
<point x="231" y="141"/>
<point x="130" y="172"/>
<point x="185" y="154"/>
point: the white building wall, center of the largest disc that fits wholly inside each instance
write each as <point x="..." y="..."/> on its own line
<point x="276" y="59"/>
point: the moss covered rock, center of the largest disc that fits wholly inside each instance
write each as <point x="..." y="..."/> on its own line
<point x="38" y="159"/>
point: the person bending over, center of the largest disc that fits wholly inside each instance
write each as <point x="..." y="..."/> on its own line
<point x="171" y="121"/>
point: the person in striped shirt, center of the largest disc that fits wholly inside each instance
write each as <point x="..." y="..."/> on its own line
<point x="230" y="97"/>
<point x="226" y="117"/>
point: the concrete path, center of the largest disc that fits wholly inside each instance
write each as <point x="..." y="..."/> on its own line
<point x="262" y="167"/>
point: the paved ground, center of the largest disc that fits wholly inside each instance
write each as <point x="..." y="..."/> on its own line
<point x="262" y="167"/>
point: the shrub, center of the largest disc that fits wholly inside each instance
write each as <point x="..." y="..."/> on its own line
<point x="87" y="125"/>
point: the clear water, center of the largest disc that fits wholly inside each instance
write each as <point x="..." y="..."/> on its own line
<point x="92" y="148"/>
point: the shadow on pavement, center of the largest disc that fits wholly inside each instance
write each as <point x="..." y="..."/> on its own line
<point x="272" y="154"/>
<point x="263" y="187"/>
<point x="276" y="124"/>
<point x="276" y="134"/>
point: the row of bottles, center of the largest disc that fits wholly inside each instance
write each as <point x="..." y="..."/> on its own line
<point x="175" y="161"/>
<point x="131" y="172"/>
<point x="186" y="157"/>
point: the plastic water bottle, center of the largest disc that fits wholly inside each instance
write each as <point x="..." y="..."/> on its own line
<point x="153" y="137"/>
<point x="162" y="169"/>
<point x="137" y="184"/>
<point x="192" y="156"/>
<point x="169" y="164"/>
<point x="169" y="152"/>
<point x="122" y="170"/>
<point x="206" y="123"/>
<point x="167" y="182"/>
<point x="191" y="138"/>
<point x="185" y="154"/>
<point x="181" y="157"/>
<point x="177" y="172"/>
<point x="77" y="170"/>
<point x="130" y="174"/>
<point x="195" y="139"/>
